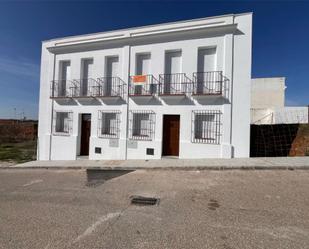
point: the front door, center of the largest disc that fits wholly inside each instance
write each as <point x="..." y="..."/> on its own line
<point x="171" y="135"/>
<point x="85" y="134"/>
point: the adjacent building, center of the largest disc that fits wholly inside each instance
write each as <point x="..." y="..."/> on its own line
<point x="178" y="89"/>
<point x="268" y="103"/>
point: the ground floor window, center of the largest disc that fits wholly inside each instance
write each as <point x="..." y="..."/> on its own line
<point x="62" y="123"/>
<point x="109" y="123"/>
<point x="206" y="126"/>
<point x="142" y="125"/>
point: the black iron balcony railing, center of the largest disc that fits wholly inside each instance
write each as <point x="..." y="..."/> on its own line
<point x="174" y="84"/>
<point x="208" y="83"/>
<point x="143" y="85"/>
<point x="59" y="88"/>
<point x="81" y="88"/>
<point x="108" y="87"/>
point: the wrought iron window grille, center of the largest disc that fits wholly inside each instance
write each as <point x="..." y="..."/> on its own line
<point x="109" y="124"/>
<point x="62" y="123"/>
<point x="141" y="125"/>
<point x="206" y="126"/>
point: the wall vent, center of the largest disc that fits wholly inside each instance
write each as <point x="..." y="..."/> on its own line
<point x="97" y="150"/>
<point x="150" y="151"/>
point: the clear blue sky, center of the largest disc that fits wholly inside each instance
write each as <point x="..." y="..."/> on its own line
<point x="280" y="38"/>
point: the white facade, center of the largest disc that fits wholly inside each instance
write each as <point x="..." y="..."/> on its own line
<point x="268" y="103"/>
<point x="125" y="83"/>
<point x="267" y="92"/>
<point x="280" y="115"/>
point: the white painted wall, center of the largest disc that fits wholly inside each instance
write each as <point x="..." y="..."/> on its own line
<point x="241" y="86"/>
<point x="267" y="92"/>
<point x="291" y="115"/>
<point x="280" y="115"/>
<point x="267" y="103"/>
<point x="229" y="36"/>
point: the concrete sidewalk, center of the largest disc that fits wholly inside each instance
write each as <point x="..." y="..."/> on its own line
<point x="185" y="164"/>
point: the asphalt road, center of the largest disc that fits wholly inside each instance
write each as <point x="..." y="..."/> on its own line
<point x="53" y="209"/>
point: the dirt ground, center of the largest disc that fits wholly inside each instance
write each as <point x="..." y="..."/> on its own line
<point x="17" y="152"/>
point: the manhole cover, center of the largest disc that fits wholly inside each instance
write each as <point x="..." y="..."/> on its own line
<point x="144" y="201"/>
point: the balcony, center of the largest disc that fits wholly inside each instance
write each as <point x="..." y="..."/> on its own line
<point x="81" y="88"/>
<point x="87" y="88"/>
<point x="108" y="87"/>
<point x="208" y="83"/>
<point x="142" y="86"/>
<point x="59" y="89"/>
<point x="177" y="84"/>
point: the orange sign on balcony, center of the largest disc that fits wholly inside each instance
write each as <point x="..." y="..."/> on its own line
<point x="139" y="79"/>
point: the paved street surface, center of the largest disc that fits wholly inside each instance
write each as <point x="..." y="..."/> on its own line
<point x="53" y="209"/>
<point x="6" y="164"/>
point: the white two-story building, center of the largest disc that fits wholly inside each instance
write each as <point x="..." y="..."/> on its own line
<point x="177" y="89"/>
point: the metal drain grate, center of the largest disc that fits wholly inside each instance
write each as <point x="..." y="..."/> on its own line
<point x="144" y="201"/>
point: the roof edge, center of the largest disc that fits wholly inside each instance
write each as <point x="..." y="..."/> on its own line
<point x="146" y="26"/>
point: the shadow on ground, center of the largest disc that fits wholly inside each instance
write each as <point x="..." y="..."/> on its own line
<point x="96" y="177"/>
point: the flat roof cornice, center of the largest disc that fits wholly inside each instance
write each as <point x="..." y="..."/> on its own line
<point x="184" y="22"/>
<point x="63" y="45"/>
<point x="223" y="23"/>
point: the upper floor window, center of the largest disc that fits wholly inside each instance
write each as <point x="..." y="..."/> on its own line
<point x="142" y="83"/>
<point x="86" y="75"/>
<point x="61" y="86"/>
<point x="206" y="126"/>
<point x="111" y="84"/>
<point x="173" y="62"/>
<point x="111" y="66"/>
<point x="64" y="70"/>
<point x="207" y="80"/>
<point x="207" y="59"/>
<point x="142" y="65"/>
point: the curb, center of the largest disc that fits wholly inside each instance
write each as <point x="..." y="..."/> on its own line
<point x="186" y="168"/>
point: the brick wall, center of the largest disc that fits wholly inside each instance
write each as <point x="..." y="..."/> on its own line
<point x="300" y="145"/>
<point x="17" y="130"/>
